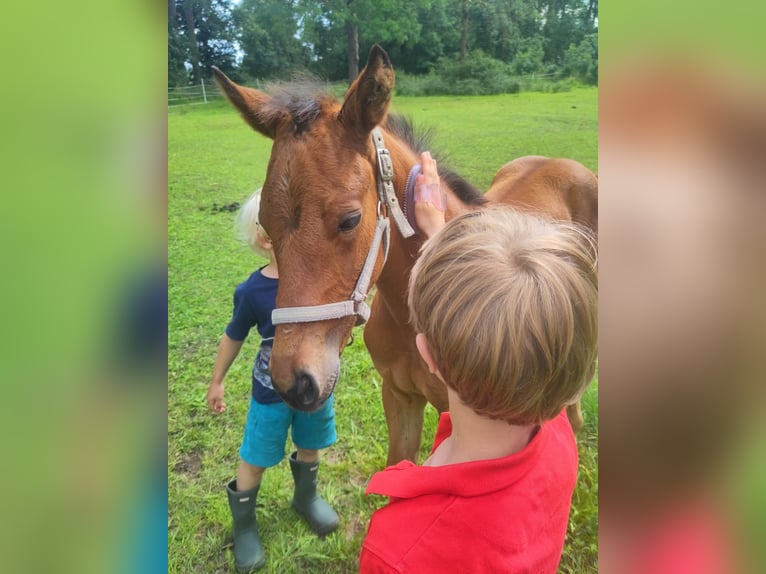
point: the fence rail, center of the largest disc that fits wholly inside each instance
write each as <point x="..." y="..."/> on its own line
<point x="193" y="95"/>
<point x="207" y="91"/>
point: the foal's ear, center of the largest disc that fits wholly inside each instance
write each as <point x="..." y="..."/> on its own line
<point x="255" y="106"/>
<point x="367" y="99"/>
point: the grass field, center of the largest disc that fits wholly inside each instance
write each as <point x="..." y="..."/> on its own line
<point x="214" y="159"/>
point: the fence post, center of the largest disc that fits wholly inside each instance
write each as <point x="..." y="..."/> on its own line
<point x="204" y="96"/>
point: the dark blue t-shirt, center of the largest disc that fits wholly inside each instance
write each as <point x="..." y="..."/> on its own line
<point x="254" y="300"/>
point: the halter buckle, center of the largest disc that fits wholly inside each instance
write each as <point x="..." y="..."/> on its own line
<point x="385" y="165"/>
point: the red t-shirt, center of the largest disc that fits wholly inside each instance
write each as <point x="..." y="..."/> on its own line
<point x="502" y="515"/>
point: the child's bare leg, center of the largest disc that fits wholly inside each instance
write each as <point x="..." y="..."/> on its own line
<point x="248" y="476"/>
<point x="306" y="455"/>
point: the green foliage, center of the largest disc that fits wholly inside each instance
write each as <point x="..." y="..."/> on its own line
<point x="200" y="34"/>
<point x="267" y="32"/>
<point x="275" y="38"/>
<point x="478" y="75"/>
<point x="177" y="74"/>
<point x="500" y="28"/>
<point x="566" y="22"/>
<point x="581" y="60"/>
<point x="394" y="24"/>
<point x="214" y="158"/>
<point x="477" y="66"/>
<point x="481" y="75"/>
<point x="530" y="56"/>
<point x="547" y="85"/>
<point x="438" y="37"/>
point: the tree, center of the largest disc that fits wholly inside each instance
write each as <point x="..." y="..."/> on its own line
<point x="438" y="36"/>
<point x="177" y="74"/>
<point x="463" y="29"/>
<point x="581" y="60"/>
<point x="499" y="26"/>
<point x="274" y="38"/>
<point x="268" y="33"/>
<point x="200" y="34"/>
<point x="190" y="33"/>
<point x="339" y="30"/>
<point x="352" y="39"/>
<point x="566" y="22"/>
<point x="529" y="58"/>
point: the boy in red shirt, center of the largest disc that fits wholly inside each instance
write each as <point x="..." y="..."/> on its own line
<point x="504" y="305"/>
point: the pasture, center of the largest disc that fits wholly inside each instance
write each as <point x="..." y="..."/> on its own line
<point x="215" y="160"/>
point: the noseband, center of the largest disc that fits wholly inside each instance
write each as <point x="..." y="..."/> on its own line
<point x="356" y="304"/>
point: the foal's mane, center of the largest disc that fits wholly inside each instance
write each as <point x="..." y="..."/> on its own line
<point x="305" y="97"/>
<point x="420" y="141"/>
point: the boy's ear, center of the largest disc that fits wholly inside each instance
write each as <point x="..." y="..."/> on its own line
<point x="425" y="352"/>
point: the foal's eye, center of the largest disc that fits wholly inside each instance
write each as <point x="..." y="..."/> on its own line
<point x="350" y="221"/>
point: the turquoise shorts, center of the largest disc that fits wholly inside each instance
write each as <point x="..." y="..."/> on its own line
<point x="266" y="431"/>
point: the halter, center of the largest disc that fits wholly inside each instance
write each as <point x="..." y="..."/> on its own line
<point x="356" y="304"/>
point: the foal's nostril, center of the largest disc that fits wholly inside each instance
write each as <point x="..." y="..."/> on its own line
<point x="306" y="389"/>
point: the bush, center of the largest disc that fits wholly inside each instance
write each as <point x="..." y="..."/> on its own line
<point x="478" y="75"/>
<point x="547" y="86"/>
<point x="581" y="60"/>
<point x="529" y="59"/>
<point x="410" y="85"/>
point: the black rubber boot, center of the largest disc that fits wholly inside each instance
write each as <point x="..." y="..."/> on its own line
<point x="248" y="552"/>
<point x="321" y="517"/>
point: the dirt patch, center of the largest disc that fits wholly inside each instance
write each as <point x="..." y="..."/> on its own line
<point x="332" y="456"/>
<point x="354" y="527"/>
<point x="190" y="464"/>
<point x="228" y="208"/>
<point x="193" y="343"/>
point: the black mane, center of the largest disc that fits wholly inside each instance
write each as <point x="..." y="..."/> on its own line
<point x="302" y="98"/>
<point x="420" y="141"/>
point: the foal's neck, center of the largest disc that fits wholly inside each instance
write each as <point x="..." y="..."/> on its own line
<point x="392" y="283"/>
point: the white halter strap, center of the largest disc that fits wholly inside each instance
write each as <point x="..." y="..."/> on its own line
<point x="356" y="304"/>
<point x="386" y="193"/>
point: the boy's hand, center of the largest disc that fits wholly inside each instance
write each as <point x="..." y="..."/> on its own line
<point x="215" y="397"/>
<point x="430" y="199"/>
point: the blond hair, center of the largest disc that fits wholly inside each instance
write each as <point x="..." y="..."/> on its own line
<point x="249" y="229"/>
<point x="508" y="304"/>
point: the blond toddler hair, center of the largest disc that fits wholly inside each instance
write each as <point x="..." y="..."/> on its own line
<point x="249" y="229"/>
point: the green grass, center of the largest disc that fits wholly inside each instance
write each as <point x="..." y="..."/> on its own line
<point x="214" y="158"/>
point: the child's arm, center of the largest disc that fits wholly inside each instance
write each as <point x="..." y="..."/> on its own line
<point x="228" y="349"/>
<point x="430" y="198"/>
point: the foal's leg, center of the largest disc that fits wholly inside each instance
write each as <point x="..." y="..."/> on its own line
<point x="404" y="417"/>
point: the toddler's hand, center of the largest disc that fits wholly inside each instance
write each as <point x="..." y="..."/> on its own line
<point x="430" y="199"/>
<point x="215" y="398"/>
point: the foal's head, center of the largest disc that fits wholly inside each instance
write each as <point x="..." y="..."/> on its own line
<point x="318" y="206"/>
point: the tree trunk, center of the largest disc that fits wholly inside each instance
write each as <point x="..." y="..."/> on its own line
<point x="352" y="46"/>
<point x="592" y="11"/>
<point x="192" y="39"/>
<point x="464" y="32"/>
